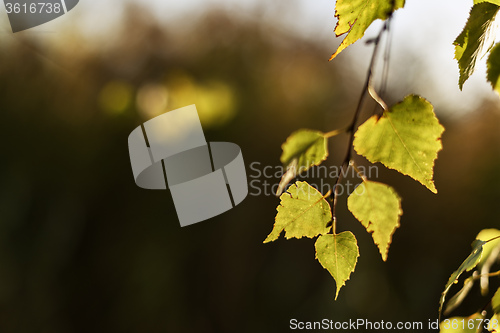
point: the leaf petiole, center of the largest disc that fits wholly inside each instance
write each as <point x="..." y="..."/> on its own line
<point x="335" y="132"/>
<point x="360" y="174"/>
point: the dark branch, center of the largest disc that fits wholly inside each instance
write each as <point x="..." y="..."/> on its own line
<point x="352" y="127"/>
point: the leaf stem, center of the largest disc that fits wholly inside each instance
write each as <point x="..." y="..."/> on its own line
<point x="497" y="273"/>
<point x="387" y="59"/>
<point x="476" y="276"/>
<point x="345" y="166"/>
<point x="335" y="132"/>
<point x="377" y="98"/>
<point x="360" y="174"/>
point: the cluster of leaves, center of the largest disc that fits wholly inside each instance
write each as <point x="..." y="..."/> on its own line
<point x="485" y="252"/>
<point x="477" y="39"/>
<point x="405" y="137"/>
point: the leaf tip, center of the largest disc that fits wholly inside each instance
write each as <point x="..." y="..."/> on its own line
<point x="270" y="238"/>
<point x="378" y="207"/>
<point x="430" y="185"/>
<point x="338" y="253"/>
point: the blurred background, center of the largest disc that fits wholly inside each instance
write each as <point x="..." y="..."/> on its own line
<point x="83" y="249"/>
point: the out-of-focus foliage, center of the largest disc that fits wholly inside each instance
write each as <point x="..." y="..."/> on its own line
<point x="468" y="264"/>
<point x="485" y="254"/>
<point x="82" y="247"/>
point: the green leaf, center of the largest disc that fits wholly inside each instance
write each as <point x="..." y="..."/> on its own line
<point x="491" y="251"/>
<point x="307" y="146"/>
<point x="378" y="207"/>
<point x="303" y="212"/>
<point x="355" y="16"/>
<point x="339" y="255"/>
<point x="302" y="149"/>
<point x="493" y="68"/>
<point x="471" y="324"/>
<point x="406" y="138"/>
<point x="486" y="235"/>
<point x="469" y="263"/>
<point x="474" y="38"/>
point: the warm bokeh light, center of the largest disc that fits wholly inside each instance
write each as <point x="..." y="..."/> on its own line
<point x="152" y="100"/>
<point x="215" y="100"/>
<point x="115" y="97"/>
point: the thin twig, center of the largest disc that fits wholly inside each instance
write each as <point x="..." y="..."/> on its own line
<point x="360" y="174"/>
<point x="478" y="276"/>
<point x="335" y="194"/>
<point x="385" y="70"/>
<point x="336" y="132"/>
<point x="377" y="98"/>
<point x="351" y="128"/>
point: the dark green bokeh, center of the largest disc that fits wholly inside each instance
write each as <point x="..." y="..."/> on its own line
<point x="83" y="249"/>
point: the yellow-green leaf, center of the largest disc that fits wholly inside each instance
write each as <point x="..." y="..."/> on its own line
<point x="474" y="38"/>
<point x="378" y="207"/>
<point x="303" y="212"/>
<point x="307" y="146"/>
<point x="339" y="255"/>
<point x="301" y="150"/>
<point x="355" y="16"/>
<point x="486" y="235"/>
<point x="493" y="70"/>
<point x="491" y="251"/>
<point x="469" y="263"/>
<point x="407" y="138"/>
<point x="471" y="324"/>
